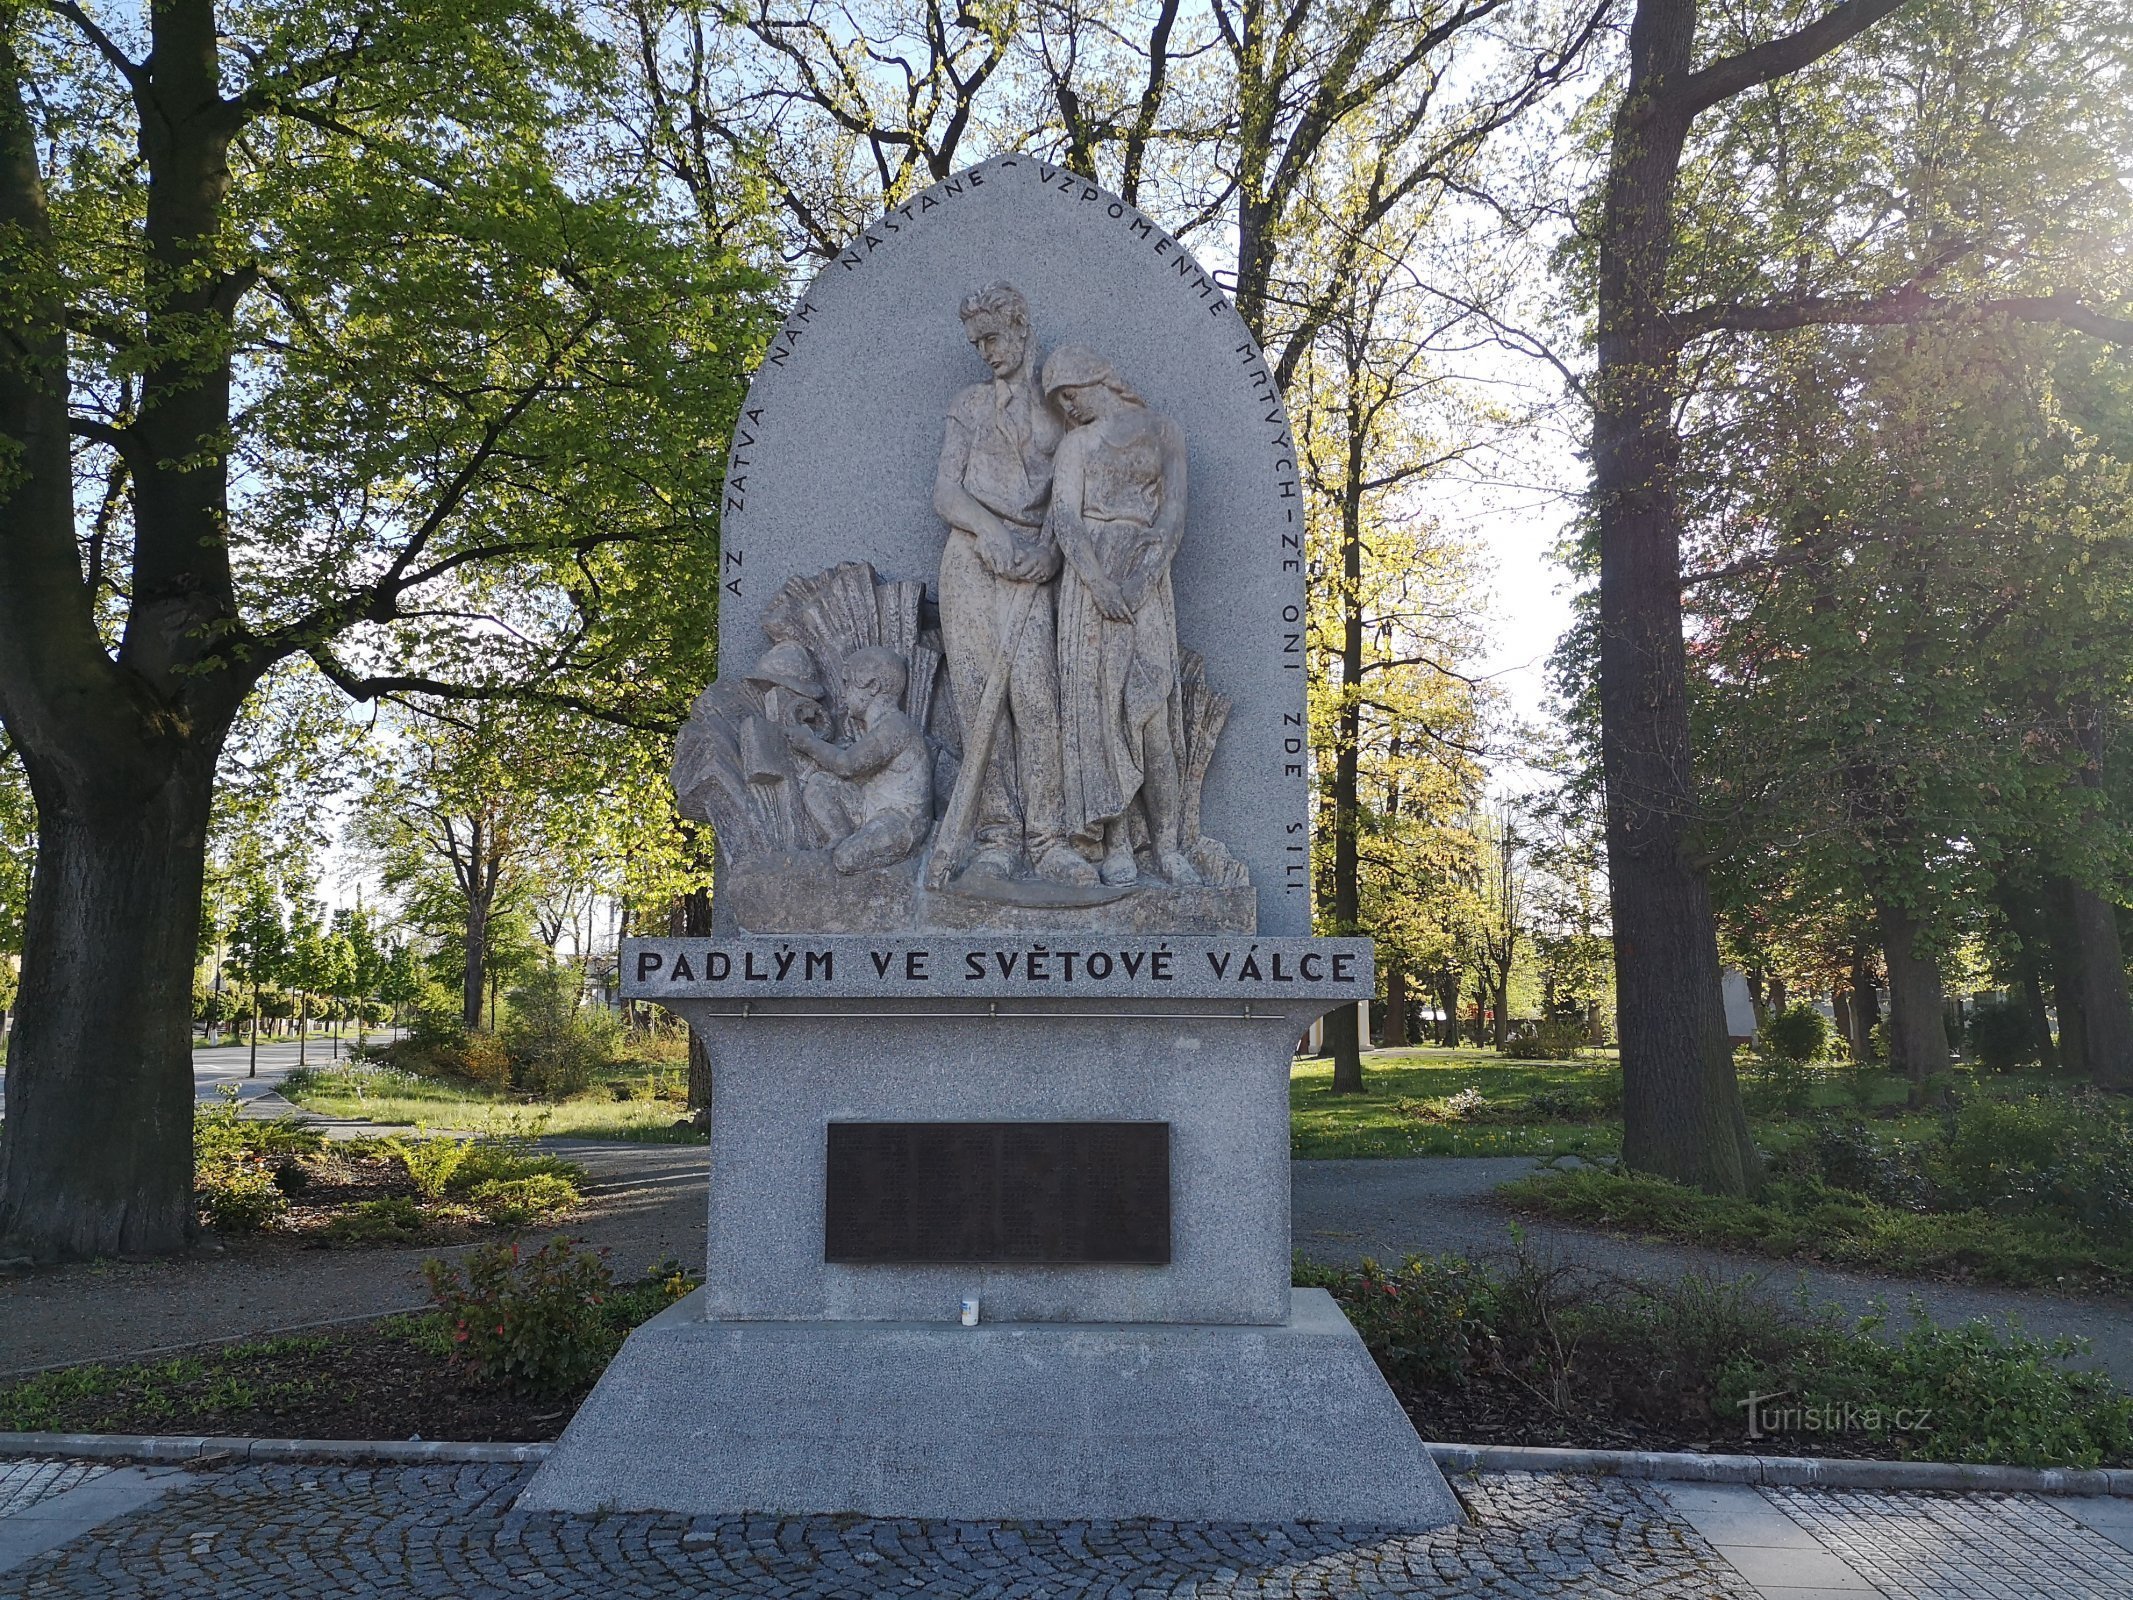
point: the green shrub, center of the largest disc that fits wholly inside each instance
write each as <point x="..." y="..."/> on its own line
<point x="2001" y="1036"/>
<point x="1797" y="1033"/>
<point x="1593" y="1099"/>
<point x="534" y="1321"/>
<point x="1779" y="1085"/>
<point x="392" y="1220"/>
<point x="429" y="1163"/>
<point x="440" y="1052"/>
<point x="554" y="1044"/>
<point x="1683" y="1356"/>
<point x="521" y="1202"/>
<point x="1848" y="1153"/>
<point x="240" y="1197"/>
<point x="503" y="1158"/>
<point x="236" y="1160"/>
<point x="221" y="1132"/>
<point x="2070" y="1155"/>
<point x="1544" y="1041"/>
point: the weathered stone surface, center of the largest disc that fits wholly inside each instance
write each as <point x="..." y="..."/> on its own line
<point x="795" y="892"/>
<point x="841" y="452"/>
<point x="1278" y="1424"/>
<point x="1220" y="1081"/>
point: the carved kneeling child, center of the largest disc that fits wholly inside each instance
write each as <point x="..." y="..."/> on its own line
<point x="873" y="798"/>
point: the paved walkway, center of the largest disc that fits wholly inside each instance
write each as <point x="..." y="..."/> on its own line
<point x="648" y="1202"/>
<point x="232" y="1063"/>
<point x="286" y="1532"/>
<point x="1346" y="1210"/>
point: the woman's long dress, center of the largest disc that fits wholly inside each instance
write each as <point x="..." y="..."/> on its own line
<point x="1115" y="678"/>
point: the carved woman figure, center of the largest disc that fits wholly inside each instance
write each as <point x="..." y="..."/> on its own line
<point x="1117" y="514"/>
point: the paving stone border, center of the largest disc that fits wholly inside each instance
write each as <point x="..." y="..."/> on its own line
<point x="1811" y="1472"/>
<point x="206" y="1448"/>
<point x="1671" y="1466"/>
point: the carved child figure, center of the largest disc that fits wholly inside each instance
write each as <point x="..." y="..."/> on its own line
<point x="873" y="797"/>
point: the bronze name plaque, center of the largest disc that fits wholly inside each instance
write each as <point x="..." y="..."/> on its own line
<point x="998" y="1191"/>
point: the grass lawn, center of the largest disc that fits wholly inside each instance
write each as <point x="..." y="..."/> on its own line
<point x="1411" y="1106"/>
<point x="636" y="1101"/>
<point x="1803" y="1220"/>
<point x="1408" y="1106"/>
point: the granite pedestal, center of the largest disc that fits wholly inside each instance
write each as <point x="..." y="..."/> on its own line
<point x="1197" y="1387"/>
<point x="1015" y="1420"/>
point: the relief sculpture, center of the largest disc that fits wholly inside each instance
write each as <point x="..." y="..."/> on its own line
<point x="1024" y="749"/>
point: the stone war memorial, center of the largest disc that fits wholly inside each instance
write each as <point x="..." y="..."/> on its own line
<point x="1011" y="935"/>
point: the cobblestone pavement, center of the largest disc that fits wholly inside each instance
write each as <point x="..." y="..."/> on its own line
<point x="293" y="1532"/>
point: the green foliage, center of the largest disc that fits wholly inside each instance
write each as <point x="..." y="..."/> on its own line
<point x="2068" y="1156"/>
<point x="531" y="1321"/>
<point x="240" y="1197"/>
<point x="1797" y="1033"/>
<point x="522" y="1202"/>
<point x="555" y="1044"/>
<point x="1686" y="1355"/>
<point x="1779" y="1085"/>
<point x="429" y="1163"/>
<point x="2002" y="1036"/>
<point x="236" y="1162"/>
<point x="1545" y="1041"/>
<point x="503" y="1158"/>
<point x="441" y="1048"/>
<point x="1808" y="1218"/>
<point x="394" y="1219"/>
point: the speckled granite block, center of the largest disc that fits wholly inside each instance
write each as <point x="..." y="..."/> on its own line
<point x="1005" y="1420"/>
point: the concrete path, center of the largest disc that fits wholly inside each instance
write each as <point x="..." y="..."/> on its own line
<point x="647" y="1201"/>
<point x="1346" y="1210"/>
<point x="307" y="1532"/>
<point x="232" y="1064"/>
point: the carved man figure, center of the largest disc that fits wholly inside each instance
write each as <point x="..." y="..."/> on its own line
<point x="992" y="489"/>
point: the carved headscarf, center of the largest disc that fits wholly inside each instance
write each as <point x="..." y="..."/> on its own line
<point x="1075" y="366"/>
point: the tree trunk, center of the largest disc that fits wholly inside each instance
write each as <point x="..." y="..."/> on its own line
<point x="1444" y="987"/>
<point x="471" y="985"/>
<point x="2098" y="972"/>
<point x="1780" y="995"/>
<point x="2040" y="1018"/>
<point x="1918" y="1037"/>
<point x="1395" y="1009"/>
<point x="1681" y="1109"/>
<point x="96" y="1154"/>
<point x="1501" y="1002"/>
<point x="1866" y="1010"/>
<point x="1343" y="1035"/>
<point x="1840" y="1004"/>
<point x="696" y="924"/>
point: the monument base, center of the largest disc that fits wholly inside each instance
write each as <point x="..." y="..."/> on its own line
<point x="1011" y="1421"/>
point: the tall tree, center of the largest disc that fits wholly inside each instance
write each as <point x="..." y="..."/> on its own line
<point x="1655" y="296"/>
<point x="475" y="388"/>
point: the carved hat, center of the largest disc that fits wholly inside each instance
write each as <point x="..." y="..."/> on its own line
<point x="789" y="666"/>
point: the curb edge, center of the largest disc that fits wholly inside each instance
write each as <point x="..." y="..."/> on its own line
<point x="1655" y="1465"/>
<point x="197" y="1447"/>
<point x="1782" y="1471"/>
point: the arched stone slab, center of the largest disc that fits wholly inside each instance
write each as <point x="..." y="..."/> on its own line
<point x="836" y="451"/>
